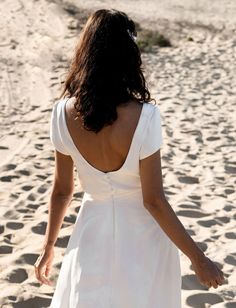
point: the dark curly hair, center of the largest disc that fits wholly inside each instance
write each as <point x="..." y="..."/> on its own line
<point x="106" y="69"/>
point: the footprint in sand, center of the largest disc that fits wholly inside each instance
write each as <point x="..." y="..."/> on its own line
<point x="229" y="191"/>
<point x="42" y="189"/>
<point x="230" y="235"/>
<point x="220" y="178"/>
<point x="168" y="192"/>
<point x="17" y="275"/>
<point x="215" y="237"/>
<point x="38" y="166"/>
<point x="64" y="225"/>
<point x="1" y="229"/>
<point x="15" y="225"/>
<point x="190" y="282"/>
<point x="200" y="300"/>
<point x="188" y="179"/>
<point x="192" y="156"/>
<point x="31" y="197"/>
<point x="212" y="138"/>
<point x="41" y="177"/>
<point x="29" y="258"/>
<point x="228" y="208"/>
<point x="8" y="238"/>
<point x="223" y="219"/>
<point x="8" y="178"/>
<point x="49" y="158"/>
<point x="58" y="265"/>
<point x="203" y="246"/>
<point x="40" y="228"/>
<point x="14" y="195"/>
<point x="22" y="211"/>
<point x="11" y="215"/>
<point x="4" y="249"/>
<point x="195" y="197"/>
<point x="230" y="260"/>
<point x="33" y="302"/>
<point x="191" y="232"/>
<point x="78" y="195"/>
<point x="23" y="172"/>
<point x="28" y="216"/>
<point x="77" y="208"/>
<point x="26" y="187"/>
<point x="38" y="146"/>
<point x="230" y="169"/>
<point x="207" y="223"/>
<point x="191" y="213"/>
<point x="189" y="205"/>
<point x="70" y="219"/>
<point x="33" y="206"/>
<point x="62" y="242"/>
<point x="9" y="167"/>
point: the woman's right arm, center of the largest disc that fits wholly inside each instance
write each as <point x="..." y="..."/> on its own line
<point x="155" y="202"/>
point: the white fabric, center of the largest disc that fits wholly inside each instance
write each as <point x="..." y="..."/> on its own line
<point x="55" y="130"/>
<point x="117" y="255"/>
<point x="153" y="135"/>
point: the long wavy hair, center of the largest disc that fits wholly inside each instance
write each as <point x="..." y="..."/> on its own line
<point x="106" y="69"/>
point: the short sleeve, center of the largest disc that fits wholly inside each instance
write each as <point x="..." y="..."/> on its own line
<point x="152" y="140"/>
<point x="55" y="133"/>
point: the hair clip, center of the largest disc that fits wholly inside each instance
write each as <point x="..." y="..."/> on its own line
<point x="134" y="37"/>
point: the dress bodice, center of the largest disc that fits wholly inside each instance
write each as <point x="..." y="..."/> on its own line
<point x="147" y="139"/>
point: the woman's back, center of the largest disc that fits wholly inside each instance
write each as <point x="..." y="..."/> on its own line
<point x="124" y="141"/>
<point x="107" y="150"/>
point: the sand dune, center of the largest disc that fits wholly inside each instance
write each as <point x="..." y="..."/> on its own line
<point x="195" y="86"/>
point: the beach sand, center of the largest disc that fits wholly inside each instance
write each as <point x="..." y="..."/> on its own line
<point x="194" y="84"/>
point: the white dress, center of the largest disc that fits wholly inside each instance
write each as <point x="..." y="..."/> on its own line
<point x="117" y="255"/>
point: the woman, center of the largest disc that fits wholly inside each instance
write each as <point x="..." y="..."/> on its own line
<point x="123" y="251"/>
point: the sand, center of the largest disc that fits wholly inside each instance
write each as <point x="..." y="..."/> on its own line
<point x="195" y="86"/>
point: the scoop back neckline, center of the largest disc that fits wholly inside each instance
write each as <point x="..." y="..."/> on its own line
<point x="76" y="150"/>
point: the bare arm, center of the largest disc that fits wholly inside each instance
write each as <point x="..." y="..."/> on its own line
<point x="156" y="203"/>
<point x="154" y="200"/>
<point x="60" y="198"/>
<point x="61" y="195"/>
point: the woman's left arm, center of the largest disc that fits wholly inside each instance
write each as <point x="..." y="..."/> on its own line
<point x="61" y="195"/>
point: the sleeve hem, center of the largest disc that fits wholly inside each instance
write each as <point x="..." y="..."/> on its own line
<point x="151" y="152"/>
<point x="152" y="140"/>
